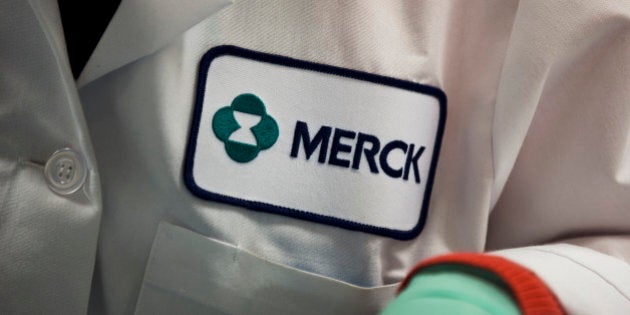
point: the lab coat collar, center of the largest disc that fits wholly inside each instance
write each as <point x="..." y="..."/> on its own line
<point x="141" y="27"/>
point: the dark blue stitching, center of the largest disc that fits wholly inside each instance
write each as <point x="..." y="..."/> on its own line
<point x="296" y="213"/>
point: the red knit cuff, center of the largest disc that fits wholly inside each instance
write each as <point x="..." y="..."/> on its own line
<point x="531" y="293"/>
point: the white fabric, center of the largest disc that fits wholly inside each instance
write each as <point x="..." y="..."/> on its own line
<point x="318" y="99"/>
<point x="190" y="274"/>
<point x="586" y="281"/>
<point x="535" y="149"/>
<point x="47" y="242"/>
<point x="140" y="27"/>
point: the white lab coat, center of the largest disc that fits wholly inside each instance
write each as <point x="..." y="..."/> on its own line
<point x="534" y="166"/>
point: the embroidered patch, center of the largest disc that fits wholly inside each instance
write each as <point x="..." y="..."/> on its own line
<point x="314" y="142"/>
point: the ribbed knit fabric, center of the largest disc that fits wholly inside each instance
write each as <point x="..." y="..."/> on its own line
<point x="531" y="293"/>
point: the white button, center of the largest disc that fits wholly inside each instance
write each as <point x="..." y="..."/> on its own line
<point x="65" y="171"/>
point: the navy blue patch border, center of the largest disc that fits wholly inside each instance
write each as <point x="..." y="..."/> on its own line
<point x="307" y="65"/>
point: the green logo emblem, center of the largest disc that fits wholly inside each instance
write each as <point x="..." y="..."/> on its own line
<point x="224" y="125"/>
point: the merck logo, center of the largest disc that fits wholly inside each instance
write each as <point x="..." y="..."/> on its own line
<point x="331" y="143"/>
<point x="265" y="132"/>
<point x="365" y="146"/>
<point x="321" y="143"/>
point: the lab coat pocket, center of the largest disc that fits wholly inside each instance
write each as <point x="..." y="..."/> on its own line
<point x="188" y="273"/>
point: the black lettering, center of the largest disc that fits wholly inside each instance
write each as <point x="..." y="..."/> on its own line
<point x="337" y="147"/>
<point x="321" y="138"/>
<point x="369" y="152"/>
<point x="396" y="144"/>
<point x="412" y="161"/>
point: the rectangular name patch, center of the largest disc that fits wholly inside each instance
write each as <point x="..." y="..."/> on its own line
<point x="314" y="142"/>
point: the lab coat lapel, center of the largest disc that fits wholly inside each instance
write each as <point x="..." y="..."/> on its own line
<point x="141" y="27"/>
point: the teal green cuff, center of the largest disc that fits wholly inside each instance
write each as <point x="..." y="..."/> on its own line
<point x="454" y="289"/>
